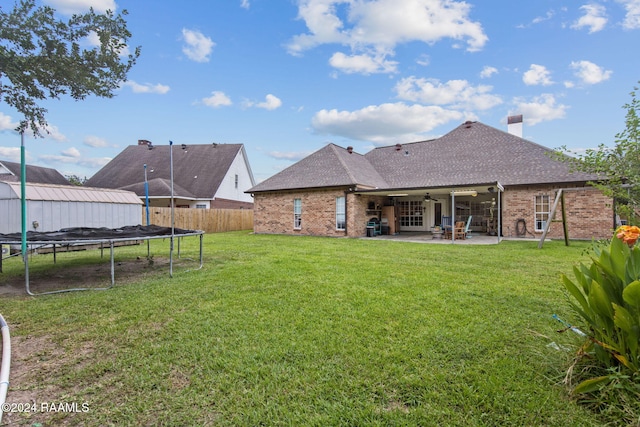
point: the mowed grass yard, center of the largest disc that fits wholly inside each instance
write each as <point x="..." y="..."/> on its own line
<point x="303" y="331"/>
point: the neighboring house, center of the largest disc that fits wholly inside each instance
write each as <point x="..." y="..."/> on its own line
<point x="505" y="183"/>
<point x="10" y="172"/>
<point x="204" y="176"/>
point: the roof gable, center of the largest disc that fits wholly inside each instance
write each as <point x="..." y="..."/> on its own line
<point x="198" y="169"/>
<point x="331" y="166"/>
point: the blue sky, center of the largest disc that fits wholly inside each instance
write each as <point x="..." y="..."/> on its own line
<point x="286" y="77"/>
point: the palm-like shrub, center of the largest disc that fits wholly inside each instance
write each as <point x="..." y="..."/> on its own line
<point x="606" y="295"/>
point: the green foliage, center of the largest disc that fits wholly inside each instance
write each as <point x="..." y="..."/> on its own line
<point x="76" y="180"/>
<point x="619" y="166"/>
<point x="41" y="57"/>
<point x="606" y="294"/>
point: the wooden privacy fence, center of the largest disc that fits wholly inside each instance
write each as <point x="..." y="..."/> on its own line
<point x="207" y="220"/>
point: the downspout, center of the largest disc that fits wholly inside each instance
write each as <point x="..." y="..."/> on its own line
<point x="6" y="363"/>
<point x="346" y="212"/>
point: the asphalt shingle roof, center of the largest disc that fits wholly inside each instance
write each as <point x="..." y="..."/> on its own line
<point x="198" y="170"/>
<point x="331" y="166"/>
<point x="472" y="153"/>
<point x="35" y="174"/>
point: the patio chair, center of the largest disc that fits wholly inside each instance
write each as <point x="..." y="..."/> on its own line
<point x="446" y="226"/>
<point x="458" y="230"/>
<point x="467" y="226"/>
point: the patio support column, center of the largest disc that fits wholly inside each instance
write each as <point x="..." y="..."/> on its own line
<point x="500" y="191"/>
<point x="453" y="216"/>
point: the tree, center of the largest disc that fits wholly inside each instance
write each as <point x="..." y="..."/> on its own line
<point x="619" y="166"/>
<point x="76" y="180"/>
<point x="41" y="57"/>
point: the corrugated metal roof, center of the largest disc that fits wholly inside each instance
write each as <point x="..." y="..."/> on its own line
<point x="70" y="193"/>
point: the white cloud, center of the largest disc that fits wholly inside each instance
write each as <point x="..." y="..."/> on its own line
<point x="245" y="4"/>
<point x="363" y="64"/>
<point x="197" y="46"/>
<point x="93" y="40"/>
<point x="81" y="6"/>
<point x="488" y="71"/>
<point x="11" y="154"/>
<point x="632" y="18"/>
<point x="217" y="99"/>
<point x="590" y="73"/>
<point x="52" y="132"/>
<point x="550" y="14"/>
<point x="49" y="131"/>
<point x="383" y="123"/>
<point x="271" y="102"/>
<point x="594" y="18"/>
<point x="95" y="142"/>
<point x="540" y="109"/>
<point x="7" y="123"/>
<point x="146" y="87"/>
<point x="537" y="75"/>
<point x="71" y="152"/>
<point x="454" y="93"/>
<point x="69" y="158"/>
<point x="379" y="26"/>
<point x="423" y="60"/>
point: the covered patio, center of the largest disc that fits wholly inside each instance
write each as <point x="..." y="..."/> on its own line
<point x="432" y="213"/>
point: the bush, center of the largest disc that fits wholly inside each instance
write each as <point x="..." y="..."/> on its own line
<point x="606" y="295"/>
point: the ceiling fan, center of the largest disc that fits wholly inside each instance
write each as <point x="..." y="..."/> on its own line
<point x="428" y="198"/>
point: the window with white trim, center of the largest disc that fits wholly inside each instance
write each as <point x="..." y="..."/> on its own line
<point x="236" y="180"/>
<point x="341" y="213"/>
<point x="541" y="211"/>
<point x="201" y="206"/>
<point x="410" y="213"/>
<point x="297" y="214"/>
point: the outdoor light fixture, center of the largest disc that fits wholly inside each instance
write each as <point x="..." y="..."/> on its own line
<point x="472" y="193"/>
<point x="397" y="195"/>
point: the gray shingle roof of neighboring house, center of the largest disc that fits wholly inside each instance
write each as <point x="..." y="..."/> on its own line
<point x="159" y="187"/>
<point x="331" y="166"/>
<point x="472" y="153"/>
<point x="198" y="170"/>
<point x="10" y="172"/>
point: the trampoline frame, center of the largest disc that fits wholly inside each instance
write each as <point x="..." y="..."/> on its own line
<point x="101" y="242"/>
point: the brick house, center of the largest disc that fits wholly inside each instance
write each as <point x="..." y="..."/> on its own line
<point x="505" y="183"/>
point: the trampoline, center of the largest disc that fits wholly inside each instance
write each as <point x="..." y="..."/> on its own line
<point x="81" y="236"/>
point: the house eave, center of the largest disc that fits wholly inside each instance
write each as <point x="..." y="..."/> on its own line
<point x="435" y="190"/>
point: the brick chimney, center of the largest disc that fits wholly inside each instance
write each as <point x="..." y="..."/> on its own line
<point x="144" y="142"/>
<point x="514" y="125"/>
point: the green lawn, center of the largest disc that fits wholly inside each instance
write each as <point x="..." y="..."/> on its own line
<point x="305" y="331"/>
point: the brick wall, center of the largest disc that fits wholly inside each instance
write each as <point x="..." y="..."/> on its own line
<point x="273" y="213"/>
<point x="589" y="212"/>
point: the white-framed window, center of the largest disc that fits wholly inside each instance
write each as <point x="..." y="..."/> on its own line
<point x="297" y="214"/>
<point x="341" y="213"/>
<point x="541" y="211"/>
<point x="237" y="180"/>
<point x="410" y="213"/>
<point x="201" y="206"/>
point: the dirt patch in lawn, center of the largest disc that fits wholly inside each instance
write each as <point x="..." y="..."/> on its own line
<point x="91" y="276"/>
<point x="32" y="399"/>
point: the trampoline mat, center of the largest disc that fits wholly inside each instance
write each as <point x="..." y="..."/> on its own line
<point x="76" y="234"/>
